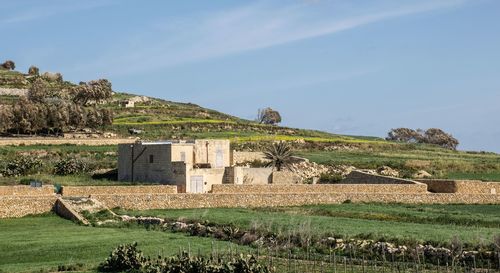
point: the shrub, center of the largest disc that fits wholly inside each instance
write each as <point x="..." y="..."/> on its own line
<point x="127" y="258"/>
<point x="124" y="258"/>
<point x="330" y="178"/>
<point x="9" y="65"/>
<point x="22" y="165"/>
<point x="33" y="71"/>
<point x="67" y="166"/>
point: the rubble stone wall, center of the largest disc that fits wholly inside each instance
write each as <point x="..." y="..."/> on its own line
<point x="358" y="177"/>
<point x="91" y="190"/>
<point x="477" y="187"/>
<point x="26" y="190"/>
<point x="13" y="91"/>
<point x="19" y="206"/>
<point x="462" y="186"/>
<point x="242" y="157"/>
<point x="183" y="201"/>
<point x="286" y="177"/>
<point x="322" y="188"/>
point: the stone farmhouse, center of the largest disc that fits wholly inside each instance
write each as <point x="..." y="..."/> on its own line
<point x="193" y="166"/>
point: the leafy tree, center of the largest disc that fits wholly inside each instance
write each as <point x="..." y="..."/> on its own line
<point x="433" y="136"/>
<point x="92" y="92"/>
<point x="9" y="65"/>
<point x="93" y="118"/>
<point x="33" y="71"/>
<point x="52" y="77"/>
<point x="107" y="116"/>
<point x="38" y="91"/>
<point x="404" y="135"/>
<point x="23" y="114"/>
<point x="438" y="137"/>
<point x="268" y="116"/>
<point x="5" y="118"/>
<point x="77" y="116"/>
<point x="279" y="155"/>
<point x="57" y="115"/>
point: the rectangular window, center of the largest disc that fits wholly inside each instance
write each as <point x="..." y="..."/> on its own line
<point x="151" y="159"/>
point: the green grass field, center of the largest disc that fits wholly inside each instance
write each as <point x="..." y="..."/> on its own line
<point x="45" y="242"/>
<point x="439" y="162"/>
<point x="423" y="223"/>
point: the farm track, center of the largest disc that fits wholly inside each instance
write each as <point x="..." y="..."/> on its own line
<point x="28" y="141"/>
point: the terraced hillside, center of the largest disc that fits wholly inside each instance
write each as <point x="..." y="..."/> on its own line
<point x="162" y="119"/>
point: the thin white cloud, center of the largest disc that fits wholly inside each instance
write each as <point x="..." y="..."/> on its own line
<point x="251" y="27"/>
<point x="48" y="9"/>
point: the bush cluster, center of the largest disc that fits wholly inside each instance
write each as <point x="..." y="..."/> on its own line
<point x="22" y="165"/>
<point x="127" y="258"/>
<point x="67" y="166"/>
<point x="330" y="178"/>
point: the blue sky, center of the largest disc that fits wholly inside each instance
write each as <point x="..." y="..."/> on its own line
<point x="348" y="67"/>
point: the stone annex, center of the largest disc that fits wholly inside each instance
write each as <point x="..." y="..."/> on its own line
<point x="193" y="166"/>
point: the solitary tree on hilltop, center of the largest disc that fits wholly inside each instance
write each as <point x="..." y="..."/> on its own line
<point x="33" y="71"/>
<point x="268" y="116"/>
<point x="9" y="65"/>
<point x="279" y="155"/>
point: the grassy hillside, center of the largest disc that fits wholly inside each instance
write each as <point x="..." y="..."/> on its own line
<point x="162" y="119"/>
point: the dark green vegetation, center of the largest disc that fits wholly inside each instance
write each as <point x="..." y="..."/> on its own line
<point x="473" y="224"/>
<point x="50" y="157"/>
<point x="128" y="258"/>
<point x="46" y="242"/>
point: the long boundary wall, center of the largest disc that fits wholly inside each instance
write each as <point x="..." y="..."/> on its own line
<point x="19" y="206"/>
<point x="182" y="201"/>
<point x="91" y="190"/>
<point x="26" y="190"/>
<point x="321" y="188"/>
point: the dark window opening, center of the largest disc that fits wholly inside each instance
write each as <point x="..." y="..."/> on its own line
<point x="151" y="159"/>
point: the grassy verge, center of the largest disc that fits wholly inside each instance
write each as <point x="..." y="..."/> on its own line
<point x="398" y="223"/>
<point x="44" y="242"/>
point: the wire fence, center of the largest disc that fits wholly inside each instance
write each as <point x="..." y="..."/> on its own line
<point x="308" y="262"/>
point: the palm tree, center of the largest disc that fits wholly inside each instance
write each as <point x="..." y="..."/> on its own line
<point x="279" y="155"/>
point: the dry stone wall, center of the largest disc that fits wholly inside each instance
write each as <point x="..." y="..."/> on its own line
<point x="26" y="190"/>
<point x="462" y="186"/>
<point x="357" y="177"/>
<point x="13" y="91"/>
<point x="286" y="177"/>
<point x="91" y="190"/>
<point x="182" y="201"/>
<point x="19" y="206"/>
<point x="321" y="188"/>
<point x="240" y="157"/>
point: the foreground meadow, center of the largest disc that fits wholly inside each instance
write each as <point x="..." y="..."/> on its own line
<point x="45" y="242"/>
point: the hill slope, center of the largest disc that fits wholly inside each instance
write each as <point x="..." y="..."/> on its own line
<point x="161" y="119"/>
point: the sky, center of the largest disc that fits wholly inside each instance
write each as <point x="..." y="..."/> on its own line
<point x="347" y="67"/>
